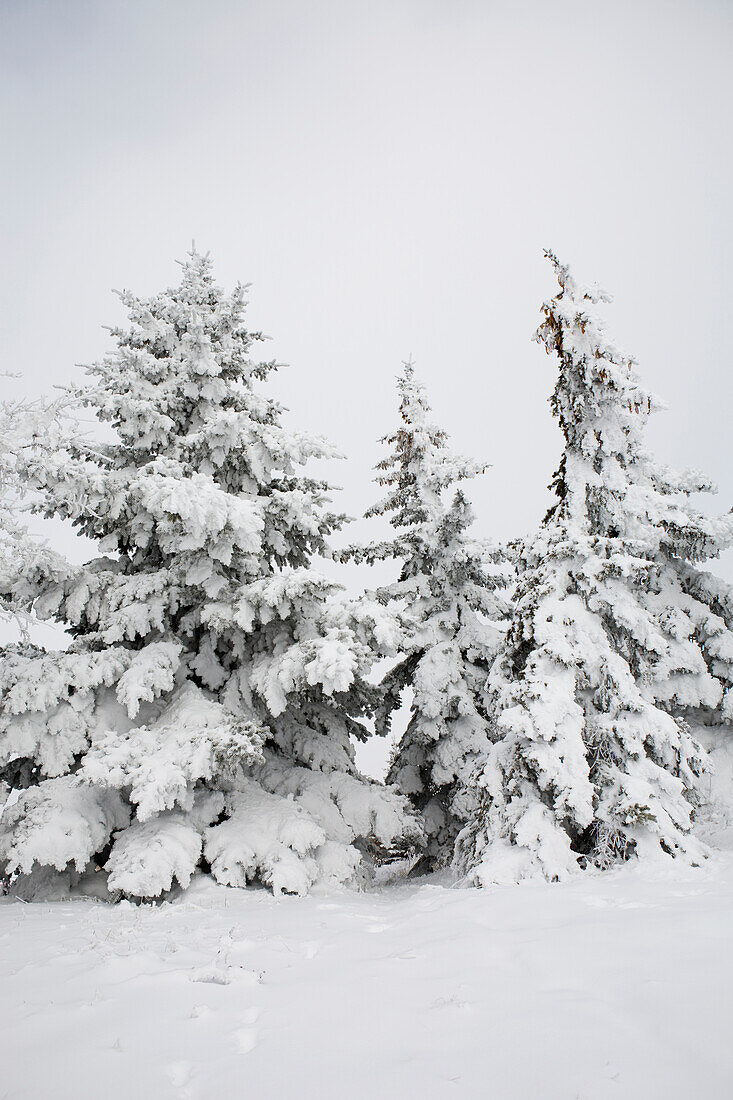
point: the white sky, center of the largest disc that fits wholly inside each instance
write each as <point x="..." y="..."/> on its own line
<point x="386" y="175"/>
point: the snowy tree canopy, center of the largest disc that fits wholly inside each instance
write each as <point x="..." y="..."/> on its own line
<point x="27" y="564"/>
<point x="215" y="677"/>
<point x="616" y="639"/>
<point x="447" y="604"/>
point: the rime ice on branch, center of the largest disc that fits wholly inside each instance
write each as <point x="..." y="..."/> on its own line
<point x="447" y="604"/>
<point x="27" y="563"/>
<point x="205" y="708"/>
<point x="617" y="636"/>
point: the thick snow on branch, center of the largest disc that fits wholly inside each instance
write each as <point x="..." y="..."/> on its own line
<point x="204" y="642"/>
<point x="614" y="640"/>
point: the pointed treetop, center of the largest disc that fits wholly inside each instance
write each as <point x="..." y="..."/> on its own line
<point x="420" y="465"/>
<point x="592" y="293"/>
<point x="577" y="333"/>
<point x="197" y="283"/>
<point x="414" y="407"/>
<point x="598" y="401"/>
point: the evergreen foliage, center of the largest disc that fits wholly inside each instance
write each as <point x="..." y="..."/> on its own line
<point x="205" y="712"/>
<point x="27" y="563"/>
<point x="447" y="602"/>
<point x="206" y="706"/>
<point x="612" y="644"/>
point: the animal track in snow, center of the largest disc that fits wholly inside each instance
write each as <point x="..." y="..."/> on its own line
<point x="179" y="1075"/>
<point x="246" y="1039"/>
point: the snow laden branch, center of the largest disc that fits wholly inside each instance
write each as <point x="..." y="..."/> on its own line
<point x="204" y="712"/>
<point x="30" y="570"/>
<point x="204" y="716"/>
<point x="449" y="607"/>
<point x="616" y="642"/>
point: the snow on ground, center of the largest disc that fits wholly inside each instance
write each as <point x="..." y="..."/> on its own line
<point x="615" y="986"/>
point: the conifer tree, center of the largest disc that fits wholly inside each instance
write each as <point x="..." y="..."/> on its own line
<point x="204" y="711"/>
<point x="447" y="603"/>
<point x="26" y="562"/>
<point x="616" y="639"/>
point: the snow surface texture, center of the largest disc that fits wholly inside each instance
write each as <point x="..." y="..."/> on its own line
<point x="612" y="985"/>
<point x="608" y="987"/>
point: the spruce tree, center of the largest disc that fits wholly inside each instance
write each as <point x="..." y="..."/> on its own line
<point x="447" y="604"/>
<point x="204" y="712"/>
<point x="27" y="562"/>
<point x="615" y="641"/>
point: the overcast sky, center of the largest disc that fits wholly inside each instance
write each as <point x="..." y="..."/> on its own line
<point x="386" y="175"/>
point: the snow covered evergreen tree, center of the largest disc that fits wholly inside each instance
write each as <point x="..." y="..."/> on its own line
<point x="447" y="603"/>
<point x="205" y="709"/>
<point x="26" y="562"/>
<point x="617" y="636"/>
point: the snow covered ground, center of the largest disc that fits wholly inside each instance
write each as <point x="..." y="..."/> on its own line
<point x="615" y="986"/>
